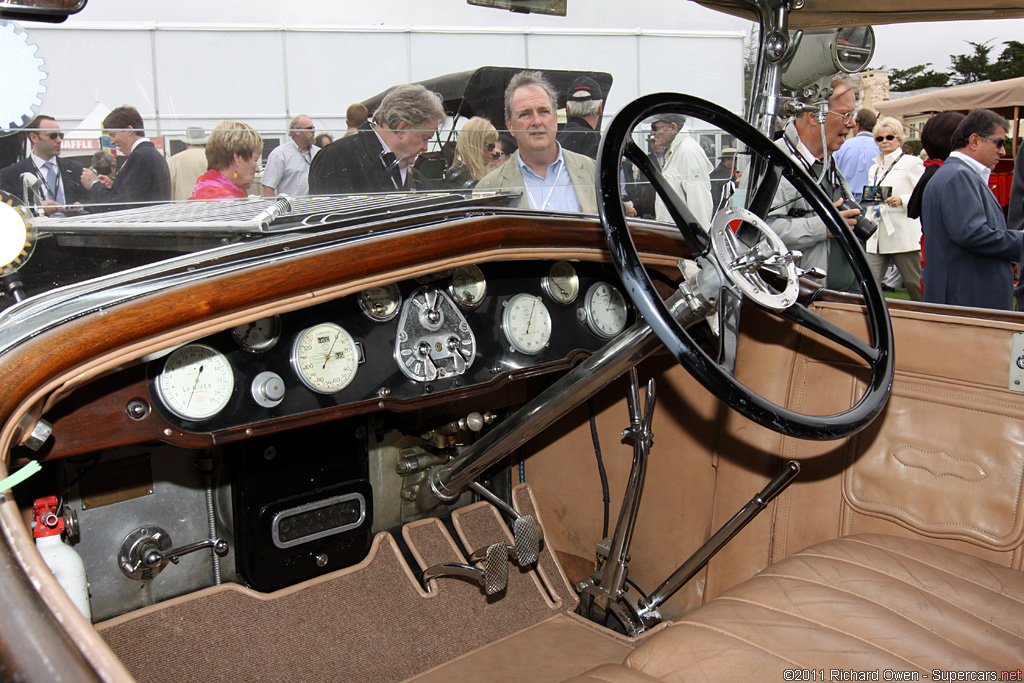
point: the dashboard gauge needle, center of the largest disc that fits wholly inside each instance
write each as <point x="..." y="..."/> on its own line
<point x="327" y="357"/>
<point x="248" y="332"/>
<point x="194" y="385"/>
<point x="530" y="319"/>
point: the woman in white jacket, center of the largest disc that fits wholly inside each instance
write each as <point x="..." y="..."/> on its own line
<point x="898" y="238"/>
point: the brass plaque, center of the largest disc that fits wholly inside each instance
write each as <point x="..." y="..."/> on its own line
<point x="114" y="481"/>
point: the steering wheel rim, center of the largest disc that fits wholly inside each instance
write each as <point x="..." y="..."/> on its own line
<point x="710" y="372"/>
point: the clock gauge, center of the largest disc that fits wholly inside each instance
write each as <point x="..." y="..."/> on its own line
<point x="606" y="310"/>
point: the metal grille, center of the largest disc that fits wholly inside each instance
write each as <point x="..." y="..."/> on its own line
<point x="255" y="214"/>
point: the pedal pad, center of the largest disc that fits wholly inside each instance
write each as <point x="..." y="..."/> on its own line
<point x="495" y="578"/>
<point x="526" y="532"/>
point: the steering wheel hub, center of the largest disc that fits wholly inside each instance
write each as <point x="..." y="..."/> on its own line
<point x="746" y="262"/>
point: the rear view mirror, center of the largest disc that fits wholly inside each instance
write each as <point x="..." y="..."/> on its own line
<point x="820" y="54"/>
<point x="54" y="11"/>
<point x="555" y="7"/>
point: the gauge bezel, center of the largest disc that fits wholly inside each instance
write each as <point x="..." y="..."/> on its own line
<point x="373" y="315"/>
<point x="588" y="308"/>
<point x="506" y="327"/>
<point x="168" y="401"/>
<point x="547" y="285"/>
<point x="304" y="378"/>
<point x="477" y="274"/>
<point x="275" y="321"/>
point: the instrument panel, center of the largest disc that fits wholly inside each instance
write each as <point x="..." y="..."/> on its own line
<point x="423" y="337"/>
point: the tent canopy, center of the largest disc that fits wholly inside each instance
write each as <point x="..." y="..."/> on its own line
<point x="999" y="96"/>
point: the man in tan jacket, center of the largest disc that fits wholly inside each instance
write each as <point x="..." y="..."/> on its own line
<point x="550" y="178"/>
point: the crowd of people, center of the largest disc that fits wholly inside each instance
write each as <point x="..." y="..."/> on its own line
<point x="918" y="211"/>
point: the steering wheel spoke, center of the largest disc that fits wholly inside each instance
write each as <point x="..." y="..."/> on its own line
<point x="689" y="226"/>
<point x="826" y="328"/>
<point x="740" y="258"/>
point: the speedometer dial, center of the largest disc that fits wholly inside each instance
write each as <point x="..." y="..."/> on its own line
<point x="526" y="323"/>
<point x="196" y="382"/>
<point x="325" y="358"/>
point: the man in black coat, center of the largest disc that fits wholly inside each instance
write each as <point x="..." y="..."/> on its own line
<point x="379" y="157"/>
<point x="143" y="179"/>
<point x="59" y="178"/>
<point x="584" y="104"/>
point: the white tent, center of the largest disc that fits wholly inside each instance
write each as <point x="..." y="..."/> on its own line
<point x="85" y="137"/>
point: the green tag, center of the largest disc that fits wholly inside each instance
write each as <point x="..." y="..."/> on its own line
<point x="20" y="476"/>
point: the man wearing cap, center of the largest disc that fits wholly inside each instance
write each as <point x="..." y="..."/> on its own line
<point x="59" y="177"/>
<point x="187" y="165"/>
<point x="686" y="168"/>
<point x="550" y="178"/>
<point x="287" y="170"/>
<point x="584" y="104"/>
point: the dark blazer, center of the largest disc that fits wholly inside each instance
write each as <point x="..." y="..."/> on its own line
<point x="968" y="251"/>
<point x="70" y="174"/>
<point x="144" y="178"/>
<point x="577" y="136"/>
<point x="355" y="165"/>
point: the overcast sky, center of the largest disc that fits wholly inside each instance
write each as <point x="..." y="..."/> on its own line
<point x="900" y="46"/>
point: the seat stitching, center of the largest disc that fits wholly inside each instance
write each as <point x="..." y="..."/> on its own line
<point x="914" y="559"/>
<point x="821" y="624"/>
<point x="889" y="609"/>
<point x="718" y="630"/>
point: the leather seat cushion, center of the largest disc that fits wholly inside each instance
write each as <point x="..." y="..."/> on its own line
<point x="861" y="603"/>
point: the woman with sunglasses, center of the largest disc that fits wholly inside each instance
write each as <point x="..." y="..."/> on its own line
<point x="891" y="181"/>
<point x="474" y="151"/>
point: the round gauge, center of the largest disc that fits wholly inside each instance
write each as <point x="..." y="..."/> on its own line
<point x="380" y="304"/>
<point x="468" y="286"/>
<point x="196" y="382"/>
<point x="526" y="323"/>
<point x="325" y="358"/>
<point x="259" y="335"/>
<point x="606" y="310"/>
<point x="561" y="283"/>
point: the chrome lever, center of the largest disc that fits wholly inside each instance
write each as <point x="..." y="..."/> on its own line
<point x="147" y="550"/>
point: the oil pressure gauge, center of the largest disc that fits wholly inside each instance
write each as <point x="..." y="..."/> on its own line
<point x="561" y="283"/>
<point x="468" y="286"/>
<point x="196" y="382"/>
<point x="259" y="335"/>
<point x="380" y="304"/>
<point x="605" y="309"/>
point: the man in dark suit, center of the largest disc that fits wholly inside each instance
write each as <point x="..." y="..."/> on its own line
<point x="968" y="252"/>
<point x="380" y="155"/>
<point x="59" y="186"/>
<point x="143" y="179"/>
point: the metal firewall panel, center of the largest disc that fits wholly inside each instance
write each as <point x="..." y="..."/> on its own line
<point x="177" y="504"/>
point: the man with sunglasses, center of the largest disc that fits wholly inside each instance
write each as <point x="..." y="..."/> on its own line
<point x="59" y="186"/>
<point x="968" y="251"/>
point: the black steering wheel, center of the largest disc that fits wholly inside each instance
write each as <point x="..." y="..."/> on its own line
<point x="741" y="259"/>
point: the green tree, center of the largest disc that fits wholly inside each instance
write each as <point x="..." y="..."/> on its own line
<point x="916" y="77"/>
<point x="972" y="68"/>
<point x="1010" y="63"/>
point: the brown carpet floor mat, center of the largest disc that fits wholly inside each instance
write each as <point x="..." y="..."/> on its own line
<point x="369" y="622"/>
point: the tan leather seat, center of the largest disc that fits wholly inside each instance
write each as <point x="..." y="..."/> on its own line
<point x="867" y="603"/>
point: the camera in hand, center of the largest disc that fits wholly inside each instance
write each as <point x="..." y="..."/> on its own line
<point x="865" y="227"/>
